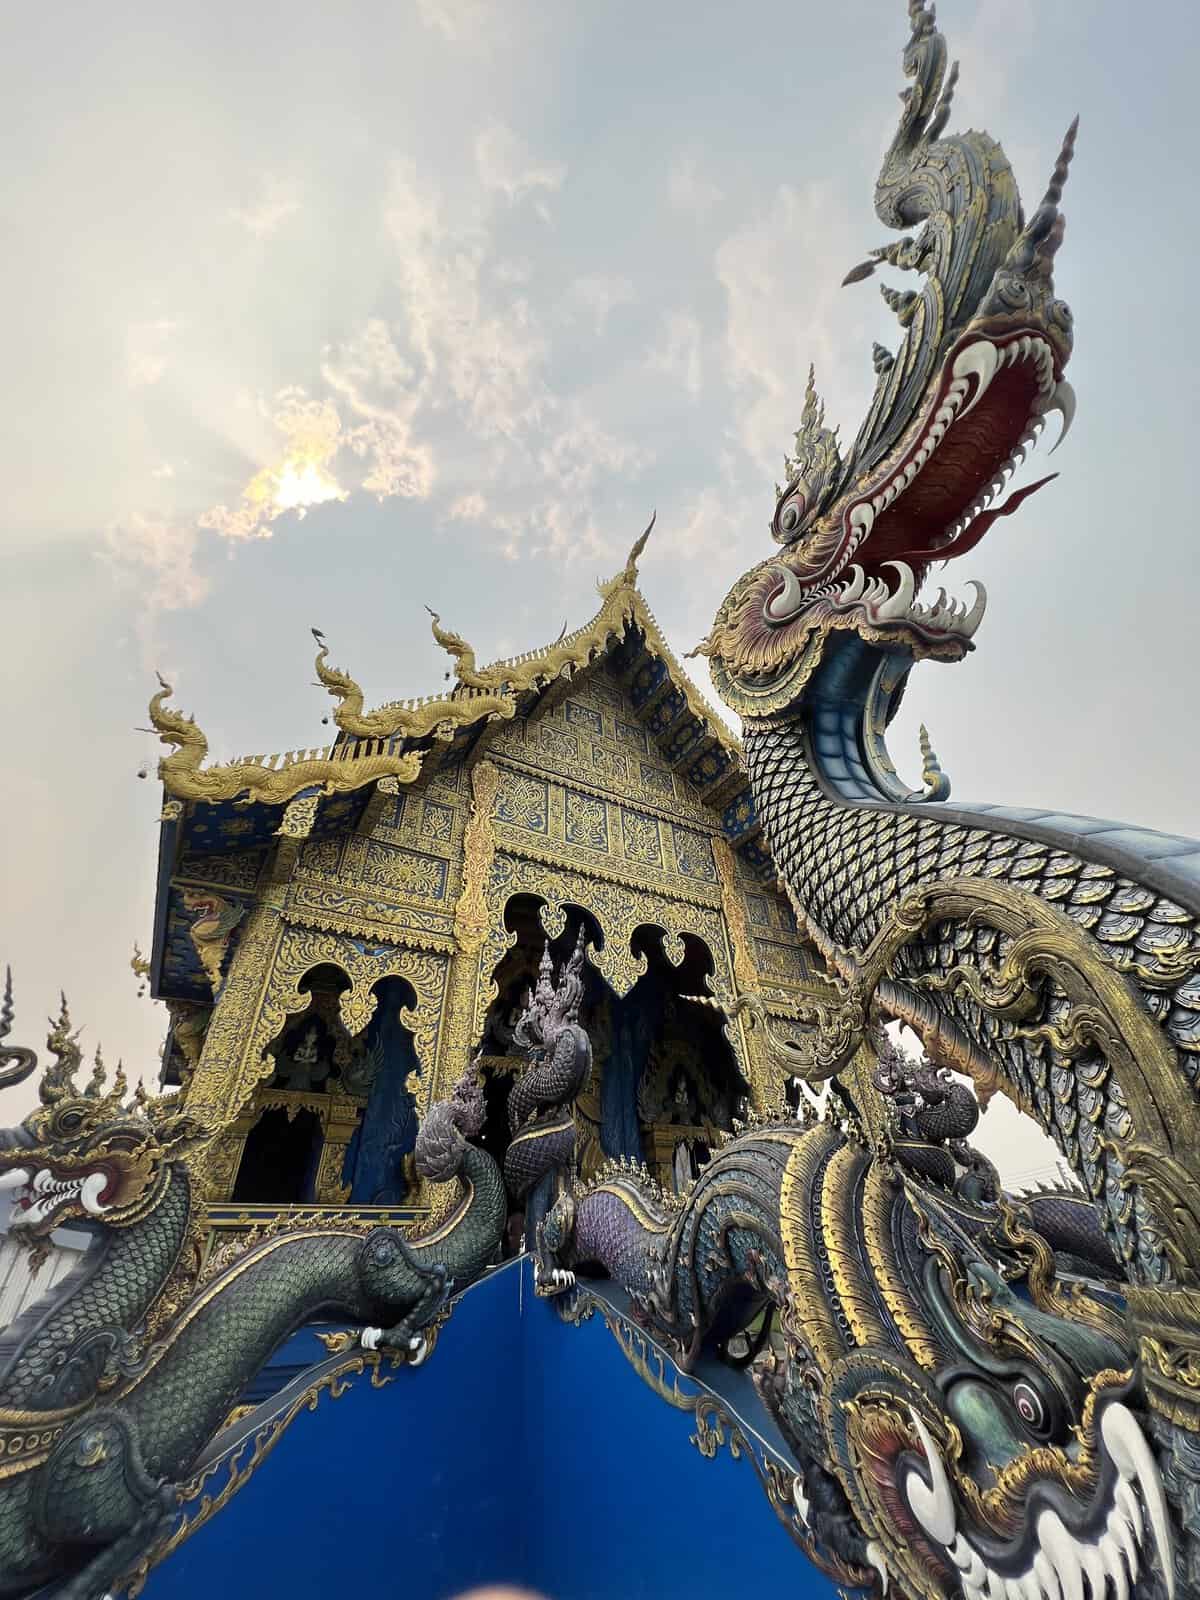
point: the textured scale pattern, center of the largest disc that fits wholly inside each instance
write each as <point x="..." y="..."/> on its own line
<point x="112" y="1287"/>
<point x="538" y="1099"/>
<point x="848" y="865"/>
<point x="93" y="1504"/>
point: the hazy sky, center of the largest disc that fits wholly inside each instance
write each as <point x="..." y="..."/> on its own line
<point x="507" y="277"/>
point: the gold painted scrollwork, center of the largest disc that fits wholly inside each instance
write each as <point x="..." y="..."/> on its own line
<point x="1155" y="1151"/>
<point x="340" y="769"/>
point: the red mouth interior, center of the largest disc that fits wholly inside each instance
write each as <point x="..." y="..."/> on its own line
<point x="916" y="526"/>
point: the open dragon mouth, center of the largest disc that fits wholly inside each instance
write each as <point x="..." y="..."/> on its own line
<point x="1093" y="1553"/>
<point x="40" y="1196"/>
<point x="934" y="499"/>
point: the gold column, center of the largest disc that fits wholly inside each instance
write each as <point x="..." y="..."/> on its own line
<point x="340" y="1117"/>
<point x="472" y="920"/>
<point x="230" y="1065"/>
<point x="766" y="1086"/>
<point x="224" y="1156"/>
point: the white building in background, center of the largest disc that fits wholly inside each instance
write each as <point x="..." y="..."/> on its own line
<point x="19" y="1287"/>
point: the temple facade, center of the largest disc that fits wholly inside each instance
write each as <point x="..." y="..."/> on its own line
<point x="333" y="956"/>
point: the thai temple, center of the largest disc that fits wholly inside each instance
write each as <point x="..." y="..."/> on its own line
<point x="367" y="940"/>
<point x="539" y="1198"/>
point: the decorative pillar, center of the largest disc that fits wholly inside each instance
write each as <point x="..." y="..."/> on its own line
<point x="765" y="1087"/>
<point x="340" y="1118"/>
<point x="224" y="1156"/>
<point x="472" y="921"/>
<point x="230" y="1065"/>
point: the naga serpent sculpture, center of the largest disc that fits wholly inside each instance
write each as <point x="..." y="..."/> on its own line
<point x="112" y="1385"/>
<point x="973" y="1420"/>
<point x="539" y="1164"/>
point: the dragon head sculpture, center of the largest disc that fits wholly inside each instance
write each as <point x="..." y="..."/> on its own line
<point x="551" y="1007"/>
<point x="85" y="1155"/>
<point x="982" y="1413"/>
<point x="1020" y="1468"/>
<point x="978" y="368"/>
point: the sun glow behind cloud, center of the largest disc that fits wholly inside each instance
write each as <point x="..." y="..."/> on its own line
<point x="294" y="486"/>
<point x="300" y="478"/>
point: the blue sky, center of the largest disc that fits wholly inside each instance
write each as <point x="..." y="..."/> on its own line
<point x="506" y="277"/>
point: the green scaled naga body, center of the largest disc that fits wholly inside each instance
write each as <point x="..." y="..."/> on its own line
<point x="966" y="1437"/>
<point x="110" y="1388"/>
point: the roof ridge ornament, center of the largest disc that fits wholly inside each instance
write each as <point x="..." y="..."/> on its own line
<point x="628" y="575"/>
<point x="273" y="782"/>
<point x="465" y="670"/>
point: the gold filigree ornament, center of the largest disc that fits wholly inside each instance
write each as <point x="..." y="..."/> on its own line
<point x="1101" y="1012"/>
<point x="274" y="780"/>
<point x="491" y="692"/>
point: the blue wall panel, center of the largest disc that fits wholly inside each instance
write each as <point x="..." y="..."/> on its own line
<point x="398" y="1491"/>
<point x="524" y="1451"/>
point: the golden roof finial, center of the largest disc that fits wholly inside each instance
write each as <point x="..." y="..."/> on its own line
<point x="337" y="683"/>
<point x="628" y="576"/>
<point x="140" y="967"/>
<point x="59" y="1077"/>
<point x="937" y="782"/>
<point x="464" y="656"/>
<point x="275" y="780"/>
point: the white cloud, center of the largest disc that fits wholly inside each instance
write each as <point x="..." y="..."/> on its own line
<point x="366" y="375"/>
<point x="785" y="308"/>
<point x="470" y="507"/>
<point x="506" y="165"/>
<point x="452" y="387"/>
<point x="690" y="192"/>
<point x="678" y="352"/>
<point x="455" y="20"/>
<point x="156" y="559"/>
<point x="600" y="295"/>
<point x="706" y="527"/>
<point x="297" y="475"/>
<point x="164" y="471"/>
<point x="278" y="199"/>
<point x="512" y="271"/>
<point x="146" y="351"/>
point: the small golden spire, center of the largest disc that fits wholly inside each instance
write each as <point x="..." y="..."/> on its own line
<point x="628" y="576"/>
<point x="464" y="655"/>
<point x="95" y="1084"/>
<point x="937" y="782"/>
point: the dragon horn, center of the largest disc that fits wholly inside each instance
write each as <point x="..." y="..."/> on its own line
<point x="95" y="1084"/>
<point x="575" y="963"/>
<point x="120" y="1082"/>
<point x="58" y="1079"/>
<point x="16" y="1063"/>
<point x="1058" y="178"/>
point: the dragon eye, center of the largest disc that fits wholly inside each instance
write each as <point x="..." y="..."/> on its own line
<point x="1030" y="1407"/>
<point x="70" y="1120"/>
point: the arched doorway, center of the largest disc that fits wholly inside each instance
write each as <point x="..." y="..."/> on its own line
<point x="279" y="1159"/>
<point x="664" y="1077"/>
<point x="377" y="1161"/>
<point x="673" y="1085"/>
<point x="335" y="1123"/>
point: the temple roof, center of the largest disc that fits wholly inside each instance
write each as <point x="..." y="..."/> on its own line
<point x="239" y="807"/>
